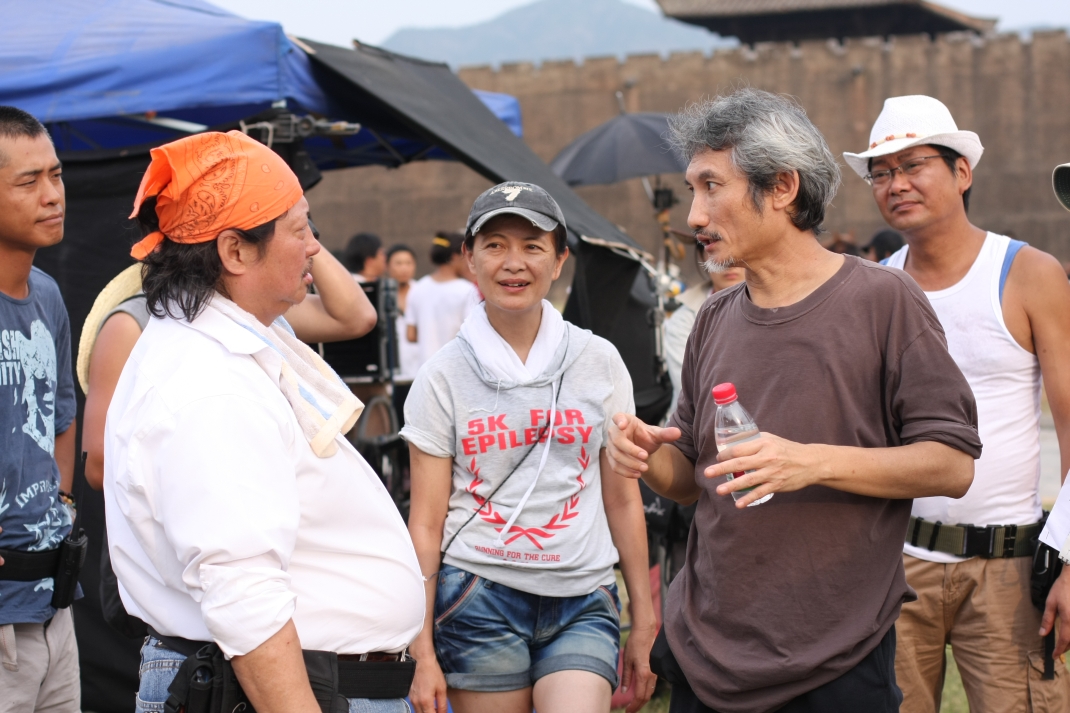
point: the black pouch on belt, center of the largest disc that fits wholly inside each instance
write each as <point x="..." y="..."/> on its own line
<point x="71" y="558"/>
<point x="62" y="564"/>
<point x="375" y="679"/>
<point x="1046" y="569"/>
<point x="322" y="667"/>
<point x="206" y="683"/>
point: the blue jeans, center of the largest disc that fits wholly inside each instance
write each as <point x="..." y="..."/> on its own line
<point x="490" y="637"/>
<point x="159" y="665"/>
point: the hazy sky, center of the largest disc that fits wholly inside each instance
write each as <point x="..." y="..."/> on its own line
<point x="372" y="21"/>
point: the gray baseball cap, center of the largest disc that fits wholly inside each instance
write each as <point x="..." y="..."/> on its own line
<point x="524" y="199"/>
<point x="1060" y="181"/>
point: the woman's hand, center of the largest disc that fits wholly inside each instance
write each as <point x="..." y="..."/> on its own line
<point x="430" y="494"/>
<point x="637" y="674"/>
<point x="428" y="691"/>
<point x="627" y="526"/>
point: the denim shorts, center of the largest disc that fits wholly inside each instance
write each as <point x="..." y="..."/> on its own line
<point x="489" y="637"/>
<point x="159" y="665"/>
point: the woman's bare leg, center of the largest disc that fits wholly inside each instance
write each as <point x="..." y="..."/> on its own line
<point x="518" y="701"/>
<point x="572" y="692"/>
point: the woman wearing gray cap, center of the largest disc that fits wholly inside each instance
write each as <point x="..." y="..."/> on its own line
<point x="516" y="531"/>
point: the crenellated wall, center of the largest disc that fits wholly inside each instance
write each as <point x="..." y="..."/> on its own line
<point x="1014" y="93"/>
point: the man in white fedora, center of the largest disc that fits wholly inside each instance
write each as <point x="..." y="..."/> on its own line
<point x="1005" y="309"/>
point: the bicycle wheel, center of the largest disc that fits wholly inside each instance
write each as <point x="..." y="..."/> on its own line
<point x="376" y="438"/>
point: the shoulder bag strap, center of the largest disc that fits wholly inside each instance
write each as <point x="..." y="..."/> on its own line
<point x="506" y="478"/>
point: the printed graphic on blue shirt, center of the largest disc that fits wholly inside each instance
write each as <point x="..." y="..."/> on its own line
<point x="36" y="402"/>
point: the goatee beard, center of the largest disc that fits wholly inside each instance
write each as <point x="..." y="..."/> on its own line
<point x="711" y="265"/>
<point x="715" y="267"/>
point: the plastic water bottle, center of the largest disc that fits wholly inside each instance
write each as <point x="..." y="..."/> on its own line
<point x="734" y="425"/>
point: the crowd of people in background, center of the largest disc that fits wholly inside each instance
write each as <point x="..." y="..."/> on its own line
<point x="430" y="309"/>
<point x="263" y="564"/>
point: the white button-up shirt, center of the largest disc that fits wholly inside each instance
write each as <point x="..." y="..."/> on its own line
<point x="223" y="524"/>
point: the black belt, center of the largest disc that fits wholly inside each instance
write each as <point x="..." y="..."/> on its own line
<point x="372" y="675"/>
<point x="22" y="566"/>
<point x="988" y="542"/>
<point x="62" y="564"/>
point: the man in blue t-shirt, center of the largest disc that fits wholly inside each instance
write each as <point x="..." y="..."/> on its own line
<point x="39" y="668"/>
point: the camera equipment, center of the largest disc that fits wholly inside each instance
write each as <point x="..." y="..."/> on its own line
<point x="664" y="199"/>
<point x="368" y="365"/>
<point x="282" y="127"/>
<point x="374" y="357"/>
<point x="285" y="133"/>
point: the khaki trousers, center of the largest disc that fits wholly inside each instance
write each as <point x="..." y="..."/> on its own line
<point x="982" y="608"/>
<point x="39" y="671"/>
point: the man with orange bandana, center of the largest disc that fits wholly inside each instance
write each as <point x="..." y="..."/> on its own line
<point x="239" y="517"/>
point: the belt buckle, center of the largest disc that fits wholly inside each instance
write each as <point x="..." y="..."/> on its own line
<point x="978" y="542"/>
<point x="1010" y="536"/>
<point x="382" y="656"/>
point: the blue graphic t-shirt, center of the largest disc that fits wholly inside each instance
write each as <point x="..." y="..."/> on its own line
<point x="36" y="403"/>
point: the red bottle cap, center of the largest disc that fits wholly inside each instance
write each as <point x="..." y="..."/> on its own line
<point x="724" y="393"/>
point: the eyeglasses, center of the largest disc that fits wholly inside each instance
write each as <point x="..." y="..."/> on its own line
<point x="909" y="168"/>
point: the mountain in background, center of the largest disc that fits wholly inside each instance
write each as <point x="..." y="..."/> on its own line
<point x="556" y="29"/>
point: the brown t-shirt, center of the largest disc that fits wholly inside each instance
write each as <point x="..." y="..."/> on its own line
<point x="778" y="599"/>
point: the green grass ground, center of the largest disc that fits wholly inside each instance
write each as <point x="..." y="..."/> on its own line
<point x="954" y="700"/>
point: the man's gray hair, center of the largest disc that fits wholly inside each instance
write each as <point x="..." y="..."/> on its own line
<point x="768" y="135"/>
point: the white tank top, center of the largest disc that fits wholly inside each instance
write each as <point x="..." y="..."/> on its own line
<point x="1005" y="379"/>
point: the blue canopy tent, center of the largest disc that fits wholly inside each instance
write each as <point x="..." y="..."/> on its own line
<point x="123" y="73"/>
<point x="112" y="78"/>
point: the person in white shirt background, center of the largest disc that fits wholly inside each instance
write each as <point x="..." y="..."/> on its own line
<point x="438" y="303"/>
<point x="678" y="326"/>
<point x="365" y="257"/>
<point x="401" y="267"/>
<point x="237" y="512"/>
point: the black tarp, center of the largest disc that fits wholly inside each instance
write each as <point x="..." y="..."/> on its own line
<point x="394" y="95"/>
<point x="611" y="294"/>
<point x="438" y="107"/>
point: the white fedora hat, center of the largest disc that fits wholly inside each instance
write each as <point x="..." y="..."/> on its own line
<point x="1060" y="181"/>
<point x="913" y="121"/>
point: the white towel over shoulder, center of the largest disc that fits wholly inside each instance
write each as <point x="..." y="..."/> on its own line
<point x="321" y="401"/>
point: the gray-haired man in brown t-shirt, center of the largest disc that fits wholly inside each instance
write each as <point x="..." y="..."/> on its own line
<point x="790" y="605"/>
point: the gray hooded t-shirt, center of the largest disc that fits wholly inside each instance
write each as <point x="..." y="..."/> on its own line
<point x="559" y="544"/>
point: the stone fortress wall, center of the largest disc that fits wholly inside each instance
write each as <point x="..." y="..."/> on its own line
<point x="1013" y="91"/>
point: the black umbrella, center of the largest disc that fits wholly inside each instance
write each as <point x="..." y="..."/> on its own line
<point x="626" y="146"/>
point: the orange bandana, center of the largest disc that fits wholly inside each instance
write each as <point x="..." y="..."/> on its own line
<point x="208" y="182"/>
